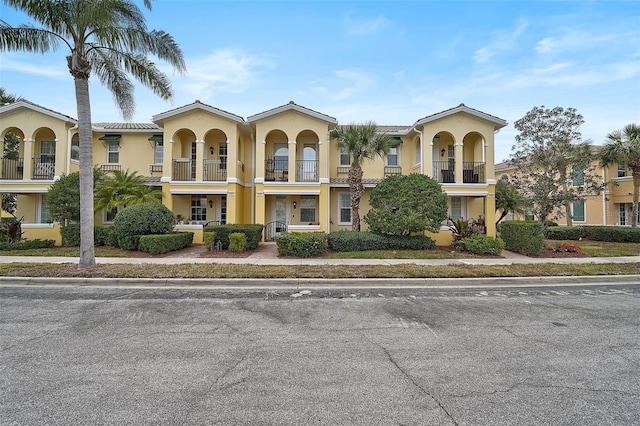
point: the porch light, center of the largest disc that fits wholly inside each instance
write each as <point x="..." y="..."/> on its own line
<point x="442" y="152"/>
<point x="210" y="204"/>
<point x="211" y="150"/>
<point x="295" y="205"/>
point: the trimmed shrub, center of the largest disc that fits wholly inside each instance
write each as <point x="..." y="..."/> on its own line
<point x="564" y="233"/>
<point x="619" y="234"/>
<point x="141" y="219"/>
<point x="302" y="244"/>
<point x="238" y="242"/>
<point x="344" y="241"/>
<point x="253" y="232"/>
<point x="27" y="245"/>
<point x="482" y="244"/>
<point x="522" y="237"/>
<point x="209" y="240"/>
<point x="102" y="236"/>
<point x="163" y="243"/>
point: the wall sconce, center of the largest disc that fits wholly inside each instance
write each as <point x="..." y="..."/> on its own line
<point x="442" y="152"/>
<point x="210" y="204"/>
<point x="295" y="205"/>
<point x="211" y="150"/>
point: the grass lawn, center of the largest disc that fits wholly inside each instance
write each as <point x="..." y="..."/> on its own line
<point x="602" y="248"/>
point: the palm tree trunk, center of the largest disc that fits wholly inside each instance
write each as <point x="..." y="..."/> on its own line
<point x="356" y="189"/>
<point x="87" y="250"/>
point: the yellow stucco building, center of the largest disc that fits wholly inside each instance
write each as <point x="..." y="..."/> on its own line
<point x="279" y="167"/>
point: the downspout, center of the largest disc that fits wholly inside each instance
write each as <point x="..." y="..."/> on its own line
<point x="604" y="198"/>
<point x="421" y="151"/>
<point x="253" y="178"/>
<point x="69" y="147"/>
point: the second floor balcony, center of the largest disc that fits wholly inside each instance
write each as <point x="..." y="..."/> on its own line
<point x="212" y="170"/>
<point x="472" y="172"/>
<point x="277" y="170"/>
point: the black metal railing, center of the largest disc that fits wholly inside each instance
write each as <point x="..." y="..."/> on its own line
<point x="13" y="168"/>
<point x="473" y="172"/>
<point x="276" y="170"/>
<point x="182" y="170"/>
<point x="307" y="171"/>
<point x="215" y="170"/>
<point x="392" y="170"/>
<point x="43" y="170"/>
<point x="343" y="170"/>
<point x="444" y="171"/>
<point x="273" y="229"/>
<point x="155" y="168"/>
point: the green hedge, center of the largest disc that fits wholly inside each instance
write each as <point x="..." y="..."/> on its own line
<point x="481" y="244"/>
<point x="102" y="236"/>
<point x="344" y="241"/>
<point x="209" y="240"/>
<point x="522" y="237"/>
<point x="302" y="244"/>
<point x="163" y="243"/>
<point x="237" y="242"/>
<point x="253" y="232"/>
<point x="621" y="234"/>
<point x="27" y="245"/>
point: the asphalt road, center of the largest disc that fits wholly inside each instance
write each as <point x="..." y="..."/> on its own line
<point x="556" y="356"/>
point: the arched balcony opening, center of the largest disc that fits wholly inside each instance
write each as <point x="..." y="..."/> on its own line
<point x="12" y="155"/>
<point x="307" y="157"/>
<point x="473" y="154"/>
<point x="184" y="155"/>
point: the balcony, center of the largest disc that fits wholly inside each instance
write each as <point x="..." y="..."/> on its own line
<point x="307" y="171"/>
<point x="473" y="172"/>
<point x="106" y="168"/>
<point x="444" y="171"/>
<point x="12" y="168"/>
<point x="215" y="170"/>
<point x="276" y="169"/>
<point x="155" y="168"/>
<point x="343" y="170"/>
<point x="43" y="170"/>
<point x="182" y="170"/>
<point x="392" y="170"/>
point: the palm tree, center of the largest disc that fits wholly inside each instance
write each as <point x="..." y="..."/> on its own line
<point x="110" y="39"/>
<point x="123" y="189"/>
<point x="362" y="142"/>
<point x="11" y="152"/>
<point x="508" y="199"/>
<point x="623" y="146"/>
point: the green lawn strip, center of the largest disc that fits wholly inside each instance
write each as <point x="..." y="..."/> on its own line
<point x="400" y="254"/>
<point x="602" y="248"/>
<point x="65" y="252"/>
<point x="308" y="271"/>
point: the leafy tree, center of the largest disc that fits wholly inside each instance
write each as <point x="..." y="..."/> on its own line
<point x="109" y="38"/>
<point x="123" y="189"/>
<point x="406" y="205"/>
<point x="63" y="198"/>
<point x="623" y="146"/>
<point x="508" y="199"/>
<point x="554" y="166"/>
<point x="362" y="142"/>
<point x="11" y="152"/>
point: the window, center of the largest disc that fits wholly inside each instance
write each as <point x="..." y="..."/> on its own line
<point x="345" y="159"/>
<point x="344" y="208"/>
<point x="392" y="156"/>
<point x="578" y="211"/>
<point x="222" y="154"/>
<point x="113" y="152"/>
<point x="43" y="215"/>
<point x="622" y="169"/>
<point x="75" y="147"/>
<point x="223" y="209"/>
<point x="48" y="152"/>
<point x="158" y="152"/>
<point x="417" y="152"/>
<point x="577" y="177"/>
<point x="198" y="208"/>
<point x="455" y="208"/>
<point x="307" y="209"/>
<point x="281" y="156"/>
<point x="623" y="213"/>
<point x="110" y="216"/>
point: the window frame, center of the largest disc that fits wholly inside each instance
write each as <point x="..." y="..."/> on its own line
<point x="622" y="170"/>
<point x="308" y="203"/>
<point x="584" y="211"/>
<point x="341" y="207"/>
<point x="396" y="155"/>
<point x="198" y="211"/>
<point x="111" y="152"/>
<point x="158" y="149"/>
<point x="342" y="156"/>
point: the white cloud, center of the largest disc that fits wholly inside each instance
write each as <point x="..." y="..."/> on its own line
<point x="576" y="39"/>
<point x="29" y="66"/>
<point x="350" y="83"/>
<point x="365" y="26"/>
<point x="222" y="70"/>
<point x="502" y="41"/>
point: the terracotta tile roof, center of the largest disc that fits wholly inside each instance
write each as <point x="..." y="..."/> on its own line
<point x="345" y="181"/>
<point x="150" y="179"/>
<point x="127" y="126"/>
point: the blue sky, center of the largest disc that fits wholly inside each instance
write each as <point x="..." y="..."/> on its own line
<point x="388" y="61"/>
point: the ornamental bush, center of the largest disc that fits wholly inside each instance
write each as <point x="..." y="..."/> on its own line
<point x="238" y="242"/>
<point x="27" y="244"/>
<point x="141" y="219"/>
<point x="253" y="233"/>
<point x="482" y="244"/>
<point x="302" y="244"/>
<point x="102" y="236"/>
<point x="522" y="237"/>
<point x="344" y="241"/>
<point x="164" y="243"/>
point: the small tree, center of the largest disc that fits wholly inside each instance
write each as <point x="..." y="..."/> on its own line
<point x="406" y="204"/>
<point x="508" y="199"/>
<point x="63" y="198"/>
<point x="554" y="167"/>
<point x="11" y="152"/>
<point x="123" y="189"/>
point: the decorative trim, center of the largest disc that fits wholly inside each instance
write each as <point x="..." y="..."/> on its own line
<point x="289" y="192"/>
<point x="324" y="180"/>
<point x="198" y="191"/>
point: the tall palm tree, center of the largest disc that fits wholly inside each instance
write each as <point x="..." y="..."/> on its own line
<point x="123" y="189"/>
<point x="623" y="146"/>
<point x="109" y="38"/>
<point x="362" y="142"/>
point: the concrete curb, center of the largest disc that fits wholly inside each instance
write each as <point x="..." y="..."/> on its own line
<point x="309" y="283"/>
